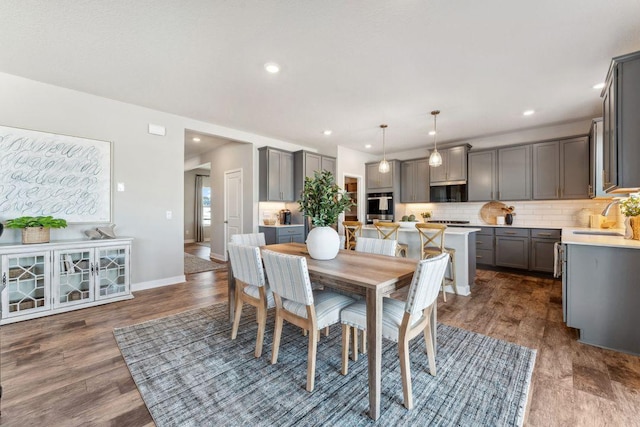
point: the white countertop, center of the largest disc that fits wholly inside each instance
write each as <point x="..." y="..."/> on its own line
<point x="481" y="224"/>
<point x="449" y="230"/>
<point x="568" y="237"/>
<point x="282" y="225"/>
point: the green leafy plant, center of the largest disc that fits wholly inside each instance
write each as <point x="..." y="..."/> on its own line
<point x="38" y="221"/>
<point x="630" y="206"/>
<point x="426" y="214"/>
<point x="322" y="199"/>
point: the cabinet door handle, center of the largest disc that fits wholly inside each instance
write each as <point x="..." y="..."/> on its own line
<point x="544" y="234"/>
<point x="478" y="243"/>
<point x="92" y="269"/>
<point x="491" y="195"/>
<point x="557" y="193"/>
<point x="590" y="190"/>
<point x="509" y="232"/>
<point x="4" y="279"/>
<point x="478" y="256"/>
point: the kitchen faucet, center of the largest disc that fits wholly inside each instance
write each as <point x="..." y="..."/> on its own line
<point x="605" y="212"/>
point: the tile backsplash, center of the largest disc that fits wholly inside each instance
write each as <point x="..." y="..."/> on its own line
<point x="552" y="213"/>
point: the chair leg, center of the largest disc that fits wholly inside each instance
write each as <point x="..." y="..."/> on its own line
<point x="405" y="371"/>
<point x="354" y="353"/>
<point x="346" y="330"/>
<point x="262" y="322"/>
<point x="236" y="317"/>
<point x="444" y="292"/>
<point x="311" y="359"/>
<point x="326" y="331"/>
<point x="452" y="257"/>
<point x="430" y="351"/>
<point x="363" y="344"/>
<point x="277" y="332"/>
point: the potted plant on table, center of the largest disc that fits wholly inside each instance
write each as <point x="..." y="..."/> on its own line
<point x="323" y="201"/>
<point x="36" y="229"/>
<point x="630" y="208"/>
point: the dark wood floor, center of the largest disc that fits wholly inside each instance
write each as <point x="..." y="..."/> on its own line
<point x="66" y="370"/>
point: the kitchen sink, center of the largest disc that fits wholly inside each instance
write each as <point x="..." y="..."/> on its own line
<point x="598" y="233"/>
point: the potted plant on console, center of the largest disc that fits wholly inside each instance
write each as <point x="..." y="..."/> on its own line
<point x="323" y="201"/>
<point x="630" y="208"/>
<point x="36" y="229"/>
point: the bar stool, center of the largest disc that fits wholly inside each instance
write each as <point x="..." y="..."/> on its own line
<point x="389" y="230"/>
<point x="432" y="244"/>
<point x="352" y="230"/>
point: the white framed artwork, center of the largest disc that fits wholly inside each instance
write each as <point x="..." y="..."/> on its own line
<point x="49" y="174"/>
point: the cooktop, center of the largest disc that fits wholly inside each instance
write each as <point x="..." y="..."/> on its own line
<point x="447" y="221"/>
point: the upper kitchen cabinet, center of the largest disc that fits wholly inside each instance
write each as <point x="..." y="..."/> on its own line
<point x="482" y="175"/>
<point x="453" y="168"/>
<point x="383" y="182"/>
<point x="414" y="181"/>
<point x="561" y="169"/>
<point x="514" y="173"/>
<point x="621" y="108"/>
<point x="305" y="164"/>
<point x="276" y="175"/>
<point x="595" y="159"/>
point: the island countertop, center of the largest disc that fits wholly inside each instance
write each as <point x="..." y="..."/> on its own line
<point x="448" y="230"/>
<point x="571" y="238"/>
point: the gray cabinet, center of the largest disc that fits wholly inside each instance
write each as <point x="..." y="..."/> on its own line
<point x="561" y="169"/>
<point x="288" y="234"/>
<point x="542" y="249"/>
<point x="621" y="108"/>
<point x="414" y="181"/>
<point x="512" y="247"/>
<point x="482" y="183"/>
<point x="382" y="182"/>
<point x="595" y="159"/>
<point x="514" y="173"/>
<point x="275" y="175"/>
<point x="453" y="168"/>
<point x="485" y="252"/>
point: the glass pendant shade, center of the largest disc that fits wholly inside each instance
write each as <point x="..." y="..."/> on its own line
<point x="383" y="167"/>
<point x="435" y="159"/>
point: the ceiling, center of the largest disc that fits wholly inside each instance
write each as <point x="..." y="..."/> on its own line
<point x="345" y="66"/>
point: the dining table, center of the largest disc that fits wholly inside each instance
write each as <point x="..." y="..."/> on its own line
<point x="370" y="276"/>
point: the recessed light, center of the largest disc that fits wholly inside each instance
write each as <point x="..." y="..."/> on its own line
<point x="272" y="67"/>
<point x="528" y="113"/>
<point x="327" y="132"/>
<point x="367" y="146"/>
<point x="598" y="86"/>
<point x="432" y="132"/>
<point x="196" y="139"/>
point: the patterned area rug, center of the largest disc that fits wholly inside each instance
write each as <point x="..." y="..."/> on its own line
<point x="194" y="264"/>
<point x="190" y="373"/>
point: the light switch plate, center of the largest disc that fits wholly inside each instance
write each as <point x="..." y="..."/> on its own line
<point x="157" y="130"/>
<point x="169" y="214"/>
<point x="121" y="186"/>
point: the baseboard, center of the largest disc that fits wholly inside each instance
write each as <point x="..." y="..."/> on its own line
<point x="218" y="257"/>
<point x="158" y="283"/>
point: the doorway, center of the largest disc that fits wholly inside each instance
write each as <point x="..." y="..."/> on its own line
<point x="233" y="198"/>
<point x="202" y="209"/>
<point x="352" y="187"/>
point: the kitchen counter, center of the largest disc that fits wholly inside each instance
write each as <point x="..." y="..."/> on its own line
<point x="569" y="238"/>
<point x="282" y="225"/>
<point x="462" y="239"/>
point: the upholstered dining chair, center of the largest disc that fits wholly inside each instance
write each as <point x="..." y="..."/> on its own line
<point x="352" y="230"/>
<point x="250" y="239"/>
<point x="298" y="304"/>
<point x="389" y="230"/>
<point x="432" y="244"/>
<point x="251" y="287"/>
<point x="402" y="321"/>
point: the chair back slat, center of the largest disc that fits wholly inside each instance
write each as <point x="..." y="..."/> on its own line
<point x="352" y="230"/>
<point x="431" y="239"/>
<point x="387" y="230"/>
<point x="426" y="283"/>
<point x="246" y="264"/>
<point x="376" y="246"/>
<point x="288" y="276"/>
<point x="250" y="239"/>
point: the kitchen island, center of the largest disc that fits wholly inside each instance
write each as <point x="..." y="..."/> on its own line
<point x="601" y="289"/>
<point x="463" y="240"/>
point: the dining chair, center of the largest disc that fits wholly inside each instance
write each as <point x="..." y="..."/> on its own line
<point x="251" y="287"/>
<point x="389" y="230"/>
<point x="298" y="304"/>
<point x="432" y="244"/>
<point x="376" y="246"/>
<point x="402" y="321"/>
<point x="250" y="239"/>
<point x="352" y="230"/>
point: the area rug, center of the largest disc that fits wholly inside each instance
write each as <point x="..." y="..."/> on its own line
<point x="190" y="373"/>
<point x="194" y="264"/>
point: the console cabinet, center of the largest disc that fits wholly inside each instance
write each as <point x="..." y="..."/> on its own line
<point x="55" y="277"/>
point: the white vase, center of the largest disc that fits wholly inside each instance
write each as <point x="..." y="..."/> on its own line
<point x="323" y="243"/>
<point x="628" y="231"/>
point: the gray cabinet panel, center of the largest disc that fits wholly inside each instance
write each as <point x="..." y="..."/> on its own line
<point x="512" y="252"/>
<point x="438" y="174"/>
<point x="382" y="182"/>
<point x="312" y="163"/>
<point x="275" y="175"/>
<point x="329" y="164"/>
<point x="574" y="170"/>
<point x="273" y="235"/>
<point x="541" y="255"/>
<point x="414" y="181"/>
<point x="514" y="173"/>
<point x="546" y="171"/>
<point x="454" y="166"/>
<point x="482" y="176"/>
<point x="286" y="176"/>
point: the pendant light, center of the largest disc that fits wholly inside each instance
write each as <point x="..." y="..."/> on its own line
<point x="383" y="167"/>
<point x="435" y="159"/>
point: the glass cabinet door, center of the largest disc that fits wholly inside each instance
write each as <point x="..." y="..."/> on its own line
<point x="112" y="271"/>
<point x="26" y="278"/>
<point x="73" y="282"/>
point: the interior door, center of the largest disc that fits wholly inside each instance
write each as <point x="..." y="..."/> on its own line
<point x="232" y="205"/>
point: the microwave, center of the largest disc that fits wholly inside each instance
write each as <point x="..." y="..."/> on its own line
<point x="448" y="193"/>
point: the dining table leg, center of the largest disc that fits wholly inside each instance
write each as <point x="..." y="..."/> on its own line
<point x="374" y="352"/>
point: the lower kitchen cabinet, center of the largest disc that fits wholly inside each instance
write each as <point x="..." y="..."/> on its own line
<point x="542" y="249"/>
<point x="283" y="234"/>
<point x="512" y="247"/>
<point x="56" y="277"/>
<point x="485" y="252"/>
